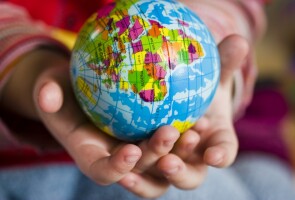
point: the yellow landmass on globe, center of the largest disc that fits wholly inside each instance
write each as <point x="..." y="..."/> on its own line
<point x="119" y="14"/>
<point x="139" y="60"/>
<point x="123" y="84"/>
<point x="141" y="21"/>
<point x="164" y="31"/>
<point x="182" y="126"/>
<point x="85" y="89"/>
<point x="124" y="37"/>
<point x="107" y="130"/>
<point x="152" y="86"/>
<point x="199" y="49"/>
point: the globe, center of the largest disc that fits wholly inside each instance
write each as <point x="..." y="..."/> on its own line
<point x="138" y="65"/>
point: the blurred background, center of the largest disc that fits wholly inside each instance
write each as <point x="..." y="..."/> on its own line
<point x="276" y="62"/>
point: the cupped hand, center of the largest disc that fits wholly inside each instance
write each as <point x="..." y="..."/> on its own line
<point x="102" y="158"/>
<point x="212" y="141"/>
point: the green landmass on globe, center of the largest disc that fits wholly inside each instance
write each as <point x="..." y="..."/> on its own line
<point x="141" y="64"/>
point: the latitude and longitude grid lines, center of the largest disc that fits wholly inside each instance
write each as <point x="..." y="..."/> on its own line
<point x="90" y="61"/>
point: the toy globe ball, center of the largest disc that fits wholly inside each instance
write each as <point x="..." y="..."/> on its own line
<point x="142" y="64"/>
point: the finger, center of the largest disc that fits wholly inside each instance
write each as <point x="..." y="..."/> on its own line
<point x="159" y="145"/>
<point x="202" y="124"/>
<point x="86" y="146"/>
<point x="110" y="169"/>
<point x="233" y="51"/>
<point x="222" y="148"/>
<point x="144" y="186"/>
<point x="185" y="146"/>
<point x="181" y="175"/>
<point x="50" y="97"/>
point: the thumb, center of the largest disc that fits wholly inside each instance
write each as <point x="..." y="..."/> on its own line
<point x="233" y="51"/>
<point x="49" y="91"/>
<point x="50" y="98"/>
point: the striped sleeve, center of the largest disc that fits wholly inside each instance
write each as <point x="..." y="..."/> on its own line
<point x="19" y="35"/>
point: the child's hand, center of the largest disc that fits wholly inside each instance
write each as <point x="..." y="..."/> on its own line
<point x="41" y="81"/>
<point x="212" y="141"/>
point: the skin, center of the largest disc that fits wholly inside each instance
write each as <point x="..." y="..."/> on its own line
<point x="150" y="167"/>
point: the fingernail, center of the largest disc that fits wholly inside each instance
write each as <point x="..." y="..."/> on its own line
<point x="131" y="159"/>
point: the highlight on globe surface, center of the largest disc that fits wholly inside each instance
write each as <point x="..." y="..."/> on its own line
<point x="138" y="65"/>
